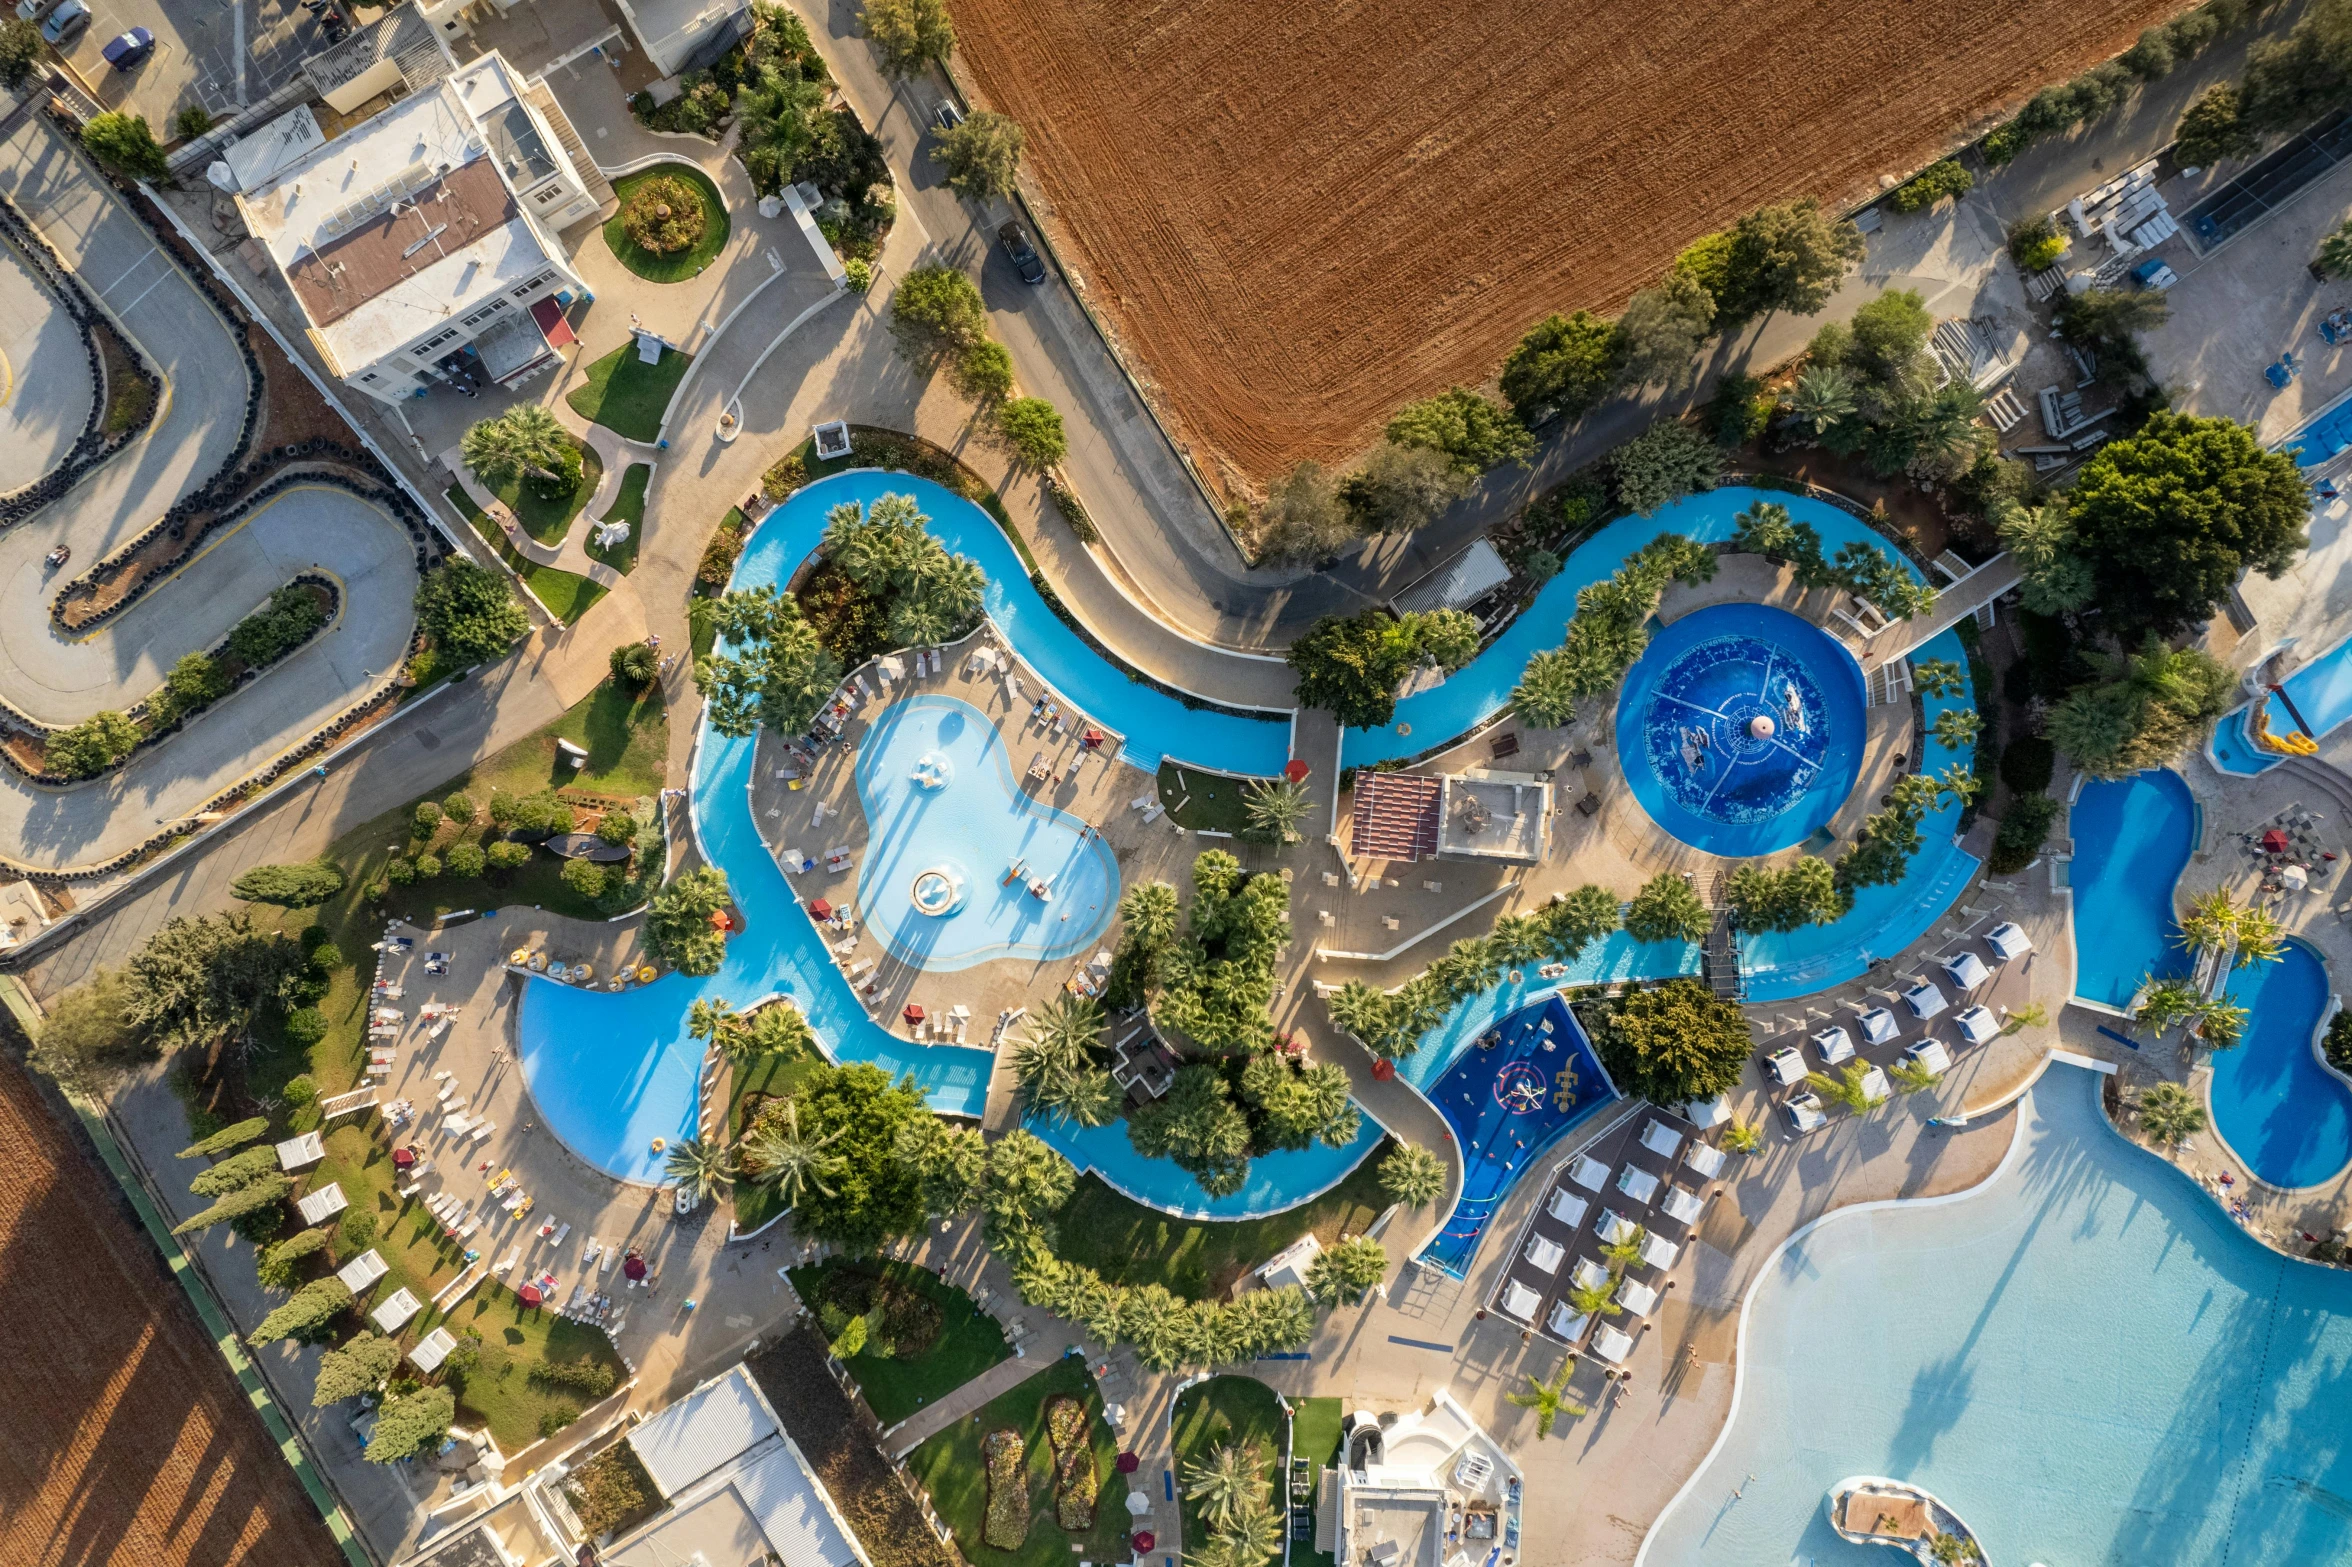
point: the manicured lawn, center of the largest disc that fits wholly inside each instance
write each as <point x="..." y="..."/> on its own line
<point x="628" y="506"/>
<point x="686" y="263"/>
<point x="628" y="396"/>
<point x="1314" y="1436"/>
<point x="1209" y="800"/>
<point x="950" y="1468"/>
<point x="702" y="627"/>
<point x="1215" y="1413"/>
<point x="626" y="735"/>
<point x="969" y="1340"/>
<point x="1128" y="1243"/>
<point x="565" y="595"/>
<point x="548" y="520"/>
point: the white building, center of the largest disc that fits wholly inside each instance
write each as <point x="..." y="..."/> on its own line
<point x="427" y="232"/>
<point x="673" y="32"/>
<point x="1430" y="1489"/>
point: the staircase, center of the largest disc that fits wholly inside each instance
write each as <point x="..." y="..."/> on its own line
<point x="1719" y="963"/>
<point x="591" y="177"/>
<point x="2323" y="776"/>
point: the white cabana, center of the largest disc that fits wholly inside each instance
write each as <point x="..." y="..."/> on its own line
<point x="1708" y="1113"/>
<point x="1520" y="1302"/>
<point x="1930" y="1053"/>
<point x="359" y="1275"/>
<point x="1612" y="1344"/>
<point x="1639" y="1298"/>
<point x="432" y="1349"/>
<point x="1659" y="1252"/>
<point x="1804" y="1114"/>
<point x="1787" y="1065"/>
<point x="1588" y="1274"/>
<point x="1966" y="971"/>
<point x="1878" y="1025"/>
<point x="1637" y="1183"/>
<point x="391" y="1316"/>
<point x="1566" y="1323"/>
<point x="2008" y="941"/>
<point x="1977" y="1025"/>
<point x="1706" y="1158"/>
<point x="300" y="1153"/>
<point x="1661" y="1139"/>
<point x="1614" y="1227"/>
<point x="1924" y="1000"/>
<point x="323" y="1204"/>
<point x="1835" y="1045"/>
<point x="1565" y="1206"/>
<point x="1544" y="1253"/>
<point x="1875" y="1087"/>
<point x="1588" y="1172"/>
<point x="1683" y="1206"/>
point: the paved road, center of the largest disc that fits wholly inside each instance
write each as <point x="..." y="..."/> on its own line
<point x="45" y="380"/>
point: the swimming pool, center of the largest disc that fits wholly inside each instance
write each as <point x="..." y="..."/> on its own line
<point x="1476" y="693"/>
<point x="2321" y="691"/>
<point x="2132" y="839"/>
<point x="1740" y="729"/>
<point x="2083" y="1356"/>
<point x="1531" y="1077"/>
<point x="964" y="823"/>
<point x="1276" y="1181"/>
<point x="2283" y="1114"/>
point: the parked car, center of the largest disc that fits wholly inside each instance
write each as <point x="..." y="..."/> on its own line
<point x="65" y="21"/>
<point x="125" y="53"/>
<point x="1025" y="258"/>
<point x="1804" y="1113"/>
<point x="32" y="10"/>
<point x="947" y="116"/>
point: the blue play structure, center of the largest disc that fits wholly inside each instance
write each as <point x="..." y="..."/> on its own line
<point x="1508" y="1097"/>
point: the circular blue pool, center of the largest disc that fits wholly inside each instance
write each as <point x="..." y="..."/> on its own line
<point x="1740" y="729"/>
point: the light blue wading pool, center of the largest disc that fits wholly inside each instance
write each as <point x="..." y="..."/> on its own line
<point x="2132" y="838"/>
<point x="2084" y="1358"/>
<point x="2321" y="691"/>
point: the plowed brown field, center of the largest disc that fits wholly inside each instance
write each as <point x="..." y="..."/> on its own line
<point x="123" y="1437"/>
<point x="1299" y="216"/>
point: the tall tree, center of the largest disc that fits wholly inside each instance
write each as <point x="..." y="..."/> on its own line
<point x="1789" y="256"/>
<point x="1563" y="367"/>
<point x="1661" y="330"/>
<point x="196" y="982"/>
<point x="1474" y="432"/>
<point x="469" y="612"/>
<point x="781" y="678"/>
<point x="908" y="35"/>
<point x="982" y="155"/>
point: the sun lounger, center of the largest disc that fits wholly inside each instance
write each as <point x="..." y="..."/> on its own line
<point x="457" y="1124"/>
<point x="1153" y="814"/>
<point x="484" y="1130"/>
<point x="1037" y="768"/>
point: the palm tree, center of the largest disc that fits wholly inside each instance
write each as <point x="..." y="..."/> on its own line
<point x="1412" y="1175"/>
<point x="915" y="620"/>
<point x="953" y="584"/>
<point x="1822" y="399"/>
<point x="1061" y="1037"/>
<point x="2032" y="1015"/>
<point x="1549" y="1400"/>
<point x="1253" y="1534"/>
<point x="1225" y="1481"/>
<point x="705" y="1169"/>
<point x="2170" y="1114"/>
<point x="2221" y="1025"/>
<point x="1275" y="807"/>
<point x="1089" y="1098"/>
<point x="1149" y="914"/>
<point x="2261" y="939"/>
<point x="1590" y="1299"/>
<point x="1911" y="1076"/>
<point x="789" y="1162"/>
<point x="1519" y="940"/>
<point x="1358" y="1009"/>
<point x="1625" y="1253"/>
<point x="779" y="1029"/>
<point x="1548" y="687"/>
<point x="2211" y="921"/>
<point x="1957" y="727"/>
<point x="1960" y="782"/>
<point x="1741" y="1137"/>
<point x="524" y="439"/>
<point x="707" y="1019"/>
<point x="1937" y="676"/>
<point x="2167" y="1002"/>
<point x="1848" y="1089"/>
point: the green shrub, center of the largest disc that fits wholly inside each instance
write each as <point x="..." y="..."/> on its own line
<point x="459" y="808"/>
<point x="300" y="1090"/>
<point x="1033" y="428"/>
<point x="428" y="866"/>
<point x="356" y="1230"/>
<point x="594" y="1378"/>
<point x="2339" y="1041"/>
<point x="2022" y="833"/>
<point x="2027" y="764"/>
<point x="426" y="821"/>
<point x="276" y="1265"/>
<point x="584" y="877"/>
<point x="504" y="856"/>
<point x="464" y="860"/>
<point x="325" y="956"/>
<point x="305" y="1027"/>
<point x="400" y="872"/>
<point x="1931" y="185"/>
<point x="2036" y="244"/>
<point x="299" y="886"/>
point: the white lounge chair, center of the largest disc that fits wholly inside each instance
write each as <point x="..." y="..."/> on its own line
<point x="1925" y="1000"/>
<point x="1787" y="1065"/>
<point x="1639" y="1298"/>
<point x="1878" y="1025"/>
<point x="1637" y="1183"/>
<point x="1519" y="1302"/>
<point x="1966" y="971"/>
<point x="1930" y="1053"/>
<point x="1588" y="1274"/>
<point x="1588" y="1172"/>
<point x="1706" y="1158"/>
<point x="1565" y="1206"/>
<point x="1614" y="1227"/>
<point x="1682" y="1205"/>
<point x="1659" y="1252"/>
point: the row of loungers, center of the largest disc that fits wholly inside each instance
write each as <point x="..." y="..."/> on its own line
<point x="1597" y="1196"/>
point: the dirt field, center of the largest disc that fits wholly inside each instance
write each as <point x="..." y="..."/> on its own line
<point x="128" y="1440"/>
<point x="1298" y="217"/>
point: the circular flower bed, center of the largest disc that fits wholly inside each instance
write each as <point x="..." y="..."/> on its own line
<point x="664" y="215"/>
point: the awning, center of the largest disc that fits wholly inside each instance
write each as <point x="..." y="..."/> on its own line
<point x="552" y="324"/>
<point x="512" y="347"/>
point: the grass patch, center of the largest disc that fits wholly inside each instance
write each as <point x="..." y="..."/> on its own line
<point x="628" y="396"/>
<point x="685" y="263"/>
<point x="626" y="735"/>
<point x="564" y="594"/>
<point x="1209" y="801"/>
<point x="1200" y="1259"/>
<point x="969" y="1340"/>
<point x="768" y="1076"/>
<point x="702" y="626"/>
<point x="1314" y="1436"/>
<point x="1214" y="1413"/>
<point x="629" y="507"/>
<point x="950" y="1468"/>
<point x="548" y="520"/>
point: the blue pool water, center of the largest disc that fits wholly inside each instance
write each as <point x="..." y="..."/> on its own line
<point x="974" y="827"/>
<point x="2323" y="437"/>
<point x="1276" y="1181"/>
<point x="2132" y="839"/>
<point x="1527" y="1079"/>
<point x="2084" y="1357"/>
<point x="2321" y="691"/>
<point x="2283" y="1113"/>
<point x="1740" y="729"/>
<point x="1478" y="692"/>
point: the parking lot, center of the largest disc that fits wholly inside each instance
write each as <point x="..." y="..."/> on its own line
<point x="201" y="46"/>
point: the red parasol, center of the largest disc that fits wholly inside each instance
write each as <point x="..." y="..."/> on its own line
<point x="914" y="1012"/>
<point x="718" y="919"/>
<point x="2274" y="842"/>
<point x="529" y="1294"/>
<point x="1296" y="771"/>
<point x="1383" y="1069"/>
<point x="821" y="909"/>
<point x="1144" y="1540"/>
<point x="402" y="1158"/>
<point x="633" y="1267"/>
<point x="1129" y="1463"/>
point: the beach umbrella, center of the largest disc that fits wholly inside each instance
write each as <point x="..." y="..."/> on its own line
<point x="2274" y="842"/>
<point x="1129" y="1463"/>
<point x="1145" y="1540"/>
<point x="821" y="909"/>
<point x="1296" y="771"/>
<point x="402" y="1158"/>
<point x="633" y="1267"/>
<point x="529" y="1295"/>
<point x="1138" y="1503"/>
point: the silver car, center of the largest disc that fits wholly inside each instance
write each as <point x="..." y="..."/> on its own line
<point x="32" y="10"/>
<point x="66" y="20"/>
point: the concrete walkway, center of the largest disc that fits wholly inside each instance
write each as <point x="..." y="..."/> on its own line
<point x="977" y="1394"/>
